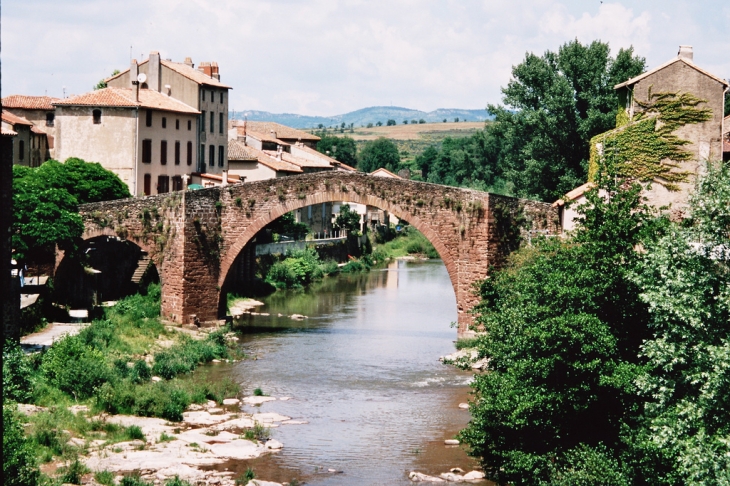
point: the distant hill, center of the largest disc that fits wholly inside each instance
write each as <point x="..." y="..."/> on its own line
<point x="364" y="116"/>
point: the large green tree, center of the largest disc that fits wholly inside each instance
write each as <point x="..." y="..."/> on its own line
<point x="341" y="148"/>
<point x="685" y="281"/>
<point x="378" y="153"/>
<point x="553" y="105"/>
<point x="563" y="325"/>
<point x="46" y="199"/>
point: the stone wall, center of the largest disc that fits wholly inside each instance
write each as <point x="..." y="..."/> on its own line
<point x="197" y="235"/>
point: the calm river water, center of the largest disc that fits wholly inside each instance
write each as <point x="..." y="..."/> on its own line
<point x="363" y="370"/>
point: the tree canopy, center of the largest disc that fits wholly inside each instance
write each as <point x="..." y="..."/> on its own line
<point x="46" y="199"/>
<point x="379" y="153"/>
<point x="341" y="148"/>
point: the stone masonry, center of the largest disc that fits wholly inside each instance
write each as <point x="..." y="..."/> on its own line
<point x="194" y="237"/>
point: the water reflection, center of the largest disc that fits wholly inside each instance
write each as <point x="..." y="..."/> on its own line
<point x="363" y="370"/>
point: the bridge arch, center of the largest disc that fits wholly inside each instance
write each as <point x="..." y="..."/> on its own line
<point x="329" y="197"/>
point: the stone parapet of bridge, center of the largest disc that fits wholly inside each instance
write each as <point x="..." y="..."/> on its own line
<point x="195" y="237"/>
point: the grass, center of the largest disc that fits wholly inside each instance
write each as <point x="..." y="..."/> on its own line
<point x="466" y="343"/>
<point x="409" y="241"/>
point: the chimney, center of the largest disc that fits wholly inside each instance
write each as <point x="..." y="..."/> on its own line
<point x="206" y="69"/>
<point x="685" y="52"/>
<point x="153" y="71"/>
<point x="214" y="71"/>
<point x="133" y="73"/>
<point x="189" y="62"/>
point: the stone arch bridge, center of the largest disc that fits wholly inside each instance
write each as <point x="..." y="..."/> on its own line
<point x="194" y="237"/>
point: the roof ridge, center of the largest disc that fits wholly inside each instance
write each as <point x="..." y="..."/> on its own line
<point x="641" y="76"/>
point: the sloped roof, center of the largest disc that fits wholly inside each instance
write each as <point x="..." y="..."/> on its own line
<point x="184" y="70"/>
<point x="326" y="157"/>
<point x="8" y="132"/>
<point x="574" y="194"/>
<point x="666" y="64"/>
<point x="125" y="98"/>
<point x="280" y="131"/>
<point x="301" y="162"/>
<point x="261" y="136"/>
<point x="383" y="172"/>
<point x="239" y="151"/>
<point x="271" y="162"/>
<point x="29" y="102"/>
<point x="14" y="119"/>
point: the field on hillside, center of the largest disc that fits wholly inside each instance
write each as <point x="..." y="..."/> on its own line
<point x="412" y="139"/>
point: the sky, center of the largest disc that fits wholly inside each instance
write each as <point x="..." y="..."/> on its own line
<point x="328" y="57"/>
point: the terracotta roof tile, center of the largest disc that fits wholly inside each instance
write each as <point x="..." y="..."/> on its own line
<point x="262" y="137"/>
<point x="125" y="98"/>
<point x="287" y="157"/>
<point x="272" y="162"/>
<point x="8" y="132"/>
<point x="239" y="151"/>
<point x="14" y="119"/>
<point x="280" y="131"/>
<point x="575" y="193"/>
<point x="385" y="173"/>
<point x="326" y="157"/>
<point x="669" y="63"/>
<point x="29" y="102"/>
<point x="185" y="70"/>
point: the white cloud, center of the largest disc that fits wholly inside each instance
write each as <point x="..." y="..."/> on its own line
<point x="327" y="57"/>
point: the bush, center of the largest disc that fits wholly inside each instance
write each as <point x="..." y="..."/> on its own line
<point x="16" y="373"/>
<point x="185" y="357"/>
<point x="19" y="466"/>
<point x="73" y="473"/>
<point x="74" y="368"/>
<point x="134" y="480"/>
<point x="134" y="432"/>
<point x="104" y="477"/>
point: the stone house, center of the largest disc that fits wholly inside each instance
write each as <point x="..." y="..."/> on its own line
<point x="29" y="144"/>
<point x="726" y="139"/>
<point x="145" y="137"/>
<point x="40" y="112"/>
<point x="680" y="75"/>
<point x="199" y="88"/>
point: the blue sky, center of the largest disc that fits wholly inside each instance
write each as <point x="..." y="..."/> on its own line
<point x="326" y="57"/>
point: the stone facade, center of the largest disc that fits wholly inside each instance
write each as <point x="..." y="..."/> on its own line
<point x="196" y="236"/>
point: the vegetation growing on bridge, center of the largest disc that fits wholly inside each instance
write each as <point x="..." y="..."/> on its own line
<point x="608" y="365"/>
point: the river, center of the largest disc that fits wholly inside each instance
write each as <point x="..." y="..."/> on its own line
<point x="363" y="370"/>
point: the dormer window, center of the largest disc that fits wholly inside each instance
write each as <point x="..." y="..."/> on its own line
<point x="97" y="117"/>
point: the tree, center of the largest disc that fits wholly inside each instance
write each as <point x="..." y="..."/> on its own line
<point x="685" y="281"/>
<point x="553" y="105"/>
<point x="563" y="325"/>
<point x="456" y="120"/>
<point x="405" y="122"/>
<point x="380" y="124"/>
<point x="348" y="219"/>
<point x="102" y="83"/>
<point x="421" y="121"/>
<point x="46" y="199"/>
<point x="391" y="123"/>
<point x="379" y="153"/>
<point x="341" y="148"/>
<point x="287" y="225"/>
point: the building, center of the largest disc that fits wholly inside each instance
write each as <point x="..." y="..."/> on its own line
<point x="280" y="134"/>
<point x="145" y="137"/>
<point x="680" y="75"/>
<point x="251" y="164"/>
<point x="29" y="144"/>
<point x="200" y="89"/>
<point x="726" y="139"/>
<point x="40" y="112"/>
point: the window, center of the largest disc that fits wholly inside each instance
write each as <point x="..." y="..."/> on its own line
<point x="147" y="184"/>
<point x="148" y="119"/>
<point x="177" y="124"/>
<point x="177" y="183"/>
<point x="21" y="150"/>
<point x="163" y="152"/>
<point x="147" y="151"/>
<point x="221" y="153"/>
<point x="221" y="96"/>
<point x="202" y="157"/>
<point x="212" y="96"/>
<point x="202" y="121"/>
<point x="164" y="122"/>
<point x="97" y="116"/>
<point x="190" y="153"/>
<point x="211" y="159"/>
<point x="220" y="122"/>
<point x="190" y="125"/>
<point x="163" y="184"/>
<point x="50" y="118"/>
<point x="309" y="212"/>
<point x="177" y="152"/>
<point x="212" y="122"/>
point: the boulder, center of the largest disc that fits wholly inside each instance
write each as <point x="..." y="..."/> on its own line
<point x="464" y="406"/>
<point x="452" y="477"/>
<point x="273" y="444"/>
<point x="474" y="475"/>
<point x="451" y="442"/>
<point x="231" y="401"/>
<point x="417" y="477"/>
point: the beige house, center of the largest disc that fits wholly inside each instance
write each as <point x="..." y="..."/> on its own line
<point x="145" y="137"/>
<point x="40" y="112"/>
<point x="30" y="145"/>
<point x="681" y="75"/>
<point x="200" y="89"/>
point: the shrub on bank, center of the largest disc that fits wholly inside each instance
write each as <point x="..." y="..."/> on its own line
<point x="19" y="465"/>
